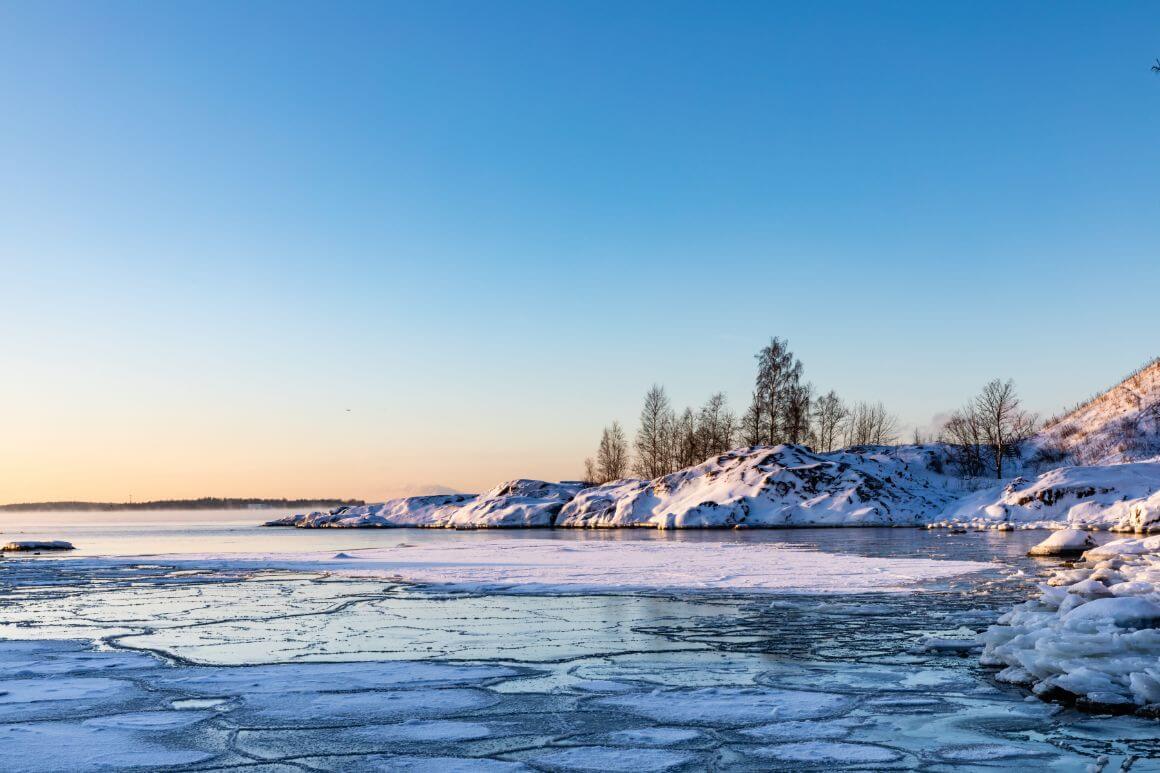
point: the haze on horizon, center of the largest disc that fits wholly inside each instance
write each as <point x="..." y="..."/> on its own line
<point x="293" y="250"/>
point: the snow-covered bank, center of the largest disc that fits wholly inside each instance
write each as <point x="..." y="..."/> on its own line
<point x="553" y="566"/>
<point x="1119" y="497"/>
<point x="780" y="486"/>
<point x="1093" y="636"/>
<point x="788" y="486"/>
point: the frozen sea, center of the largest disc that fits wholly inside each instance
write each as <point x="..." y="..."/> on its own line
<point x="177" y="657"/>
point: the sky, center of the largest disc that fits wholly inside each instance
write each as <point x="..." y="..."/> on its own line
<point x="358" y="250"/>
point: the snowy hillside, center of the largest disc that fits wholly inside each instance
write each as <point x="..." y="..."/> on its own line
<point x="780" y="486"/>
<point x="1120" y="425"/>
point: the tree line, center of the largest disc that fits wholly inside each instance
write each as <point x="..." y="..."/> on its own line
<point x="783" y="408"/>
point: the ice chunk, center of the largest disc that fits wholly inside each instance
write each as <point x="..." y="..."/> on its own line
<point x="33" y="545"/>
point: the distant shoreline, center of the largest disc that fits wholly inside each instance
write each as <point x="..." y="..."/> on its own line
<point x="204" y="503"/>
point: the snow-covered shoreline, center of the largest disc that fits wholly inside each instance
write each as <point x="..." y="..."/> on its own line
<point x="786" y="487"/>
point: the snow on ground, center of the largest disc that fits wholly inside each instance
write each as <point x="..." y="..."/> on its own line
<point x="1122" y="497"/>
<point x="545" y="565"/>
<point x="1093" y="635"/>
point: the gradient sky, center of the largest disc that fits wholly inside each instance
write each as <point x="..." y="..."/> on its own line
<point x="486" y="227"/>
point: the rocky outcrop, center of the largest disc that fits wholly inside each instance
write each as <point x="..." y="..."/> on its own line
<point x="776" y="486"/>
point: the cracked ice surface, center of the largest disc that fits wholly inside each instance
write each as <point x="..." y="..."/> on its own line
<point x="217" y="668"/>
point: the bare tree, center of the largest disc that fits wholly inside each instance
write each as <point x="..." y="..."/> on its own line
<point x="778" y="374"/>
<point x="828" y="415"/>
<point x="612" y="455"/>
<point x="964" y="434"/>
<point x="796" y="412"/>
<point x="685" y="443"/>
<point x="870" y="424"/>
<point x="752" y="428"/>
<point x="1156" y="66"/>
<point x="590" y="473"/>
<point x="1003" y="422"/>
<point x="988" y="430"/>
<point x="653" y="453"/>
<point x="716" y="427"/>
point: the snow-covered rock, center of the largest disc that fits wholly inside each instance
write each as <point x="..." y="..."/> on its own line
<point x="433" y="511"/>
<point x="515" y="503"/>
<point x="1093" y="635"/>
<point x="1114" y="496"/>
<point x="33" y="545"/>
<point x="782" y="485"/>
<point x="1066" y="542"/>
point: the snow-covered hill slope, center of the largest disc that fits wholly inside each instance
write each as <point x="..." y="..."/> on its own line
<point x="1120" y="425"/>
<point x="1122" y="497"/>
<point x="783" y="485"/>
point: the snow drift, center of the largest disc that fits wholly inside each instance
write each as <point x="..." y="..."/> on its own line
<point x="1093" y="635"/>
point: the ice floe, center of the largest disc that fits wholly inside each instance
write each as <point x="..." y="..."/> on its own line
<point x="35" y="545"/>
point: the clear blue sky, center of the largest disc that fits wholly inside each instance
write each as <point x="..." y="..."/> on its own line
<point x="486" y="227"/>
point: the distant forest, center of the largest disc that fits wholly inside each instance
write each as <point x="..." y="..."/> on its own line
<point x="205" y="503"/>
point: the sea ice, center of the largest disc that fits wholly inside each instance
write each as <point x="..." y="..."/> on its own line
<point x="728" y="706"/>
<point x="554" y="566"/>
